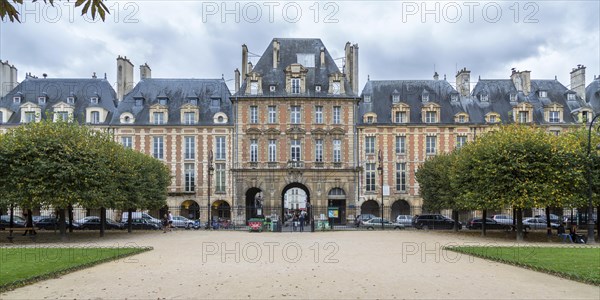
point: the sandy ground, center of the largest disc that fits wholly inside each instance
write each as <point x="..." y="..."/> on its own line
<point x="322" y="265"/>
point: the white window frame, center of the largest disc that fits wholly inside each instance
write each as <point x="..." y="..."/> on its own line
<point x="272" y="114"/>
<point x="461" y="140"/>
<point x="253" y="87"/>
<point x="220" y="180"/>
<point x="94" y="117"/>
<point x="336" y="88"/>
<point x="337" y="150"/>
<point x="30" y="117"/>
<point x="523" y="116"/>
<point x="431" y="145"/>
<point x="400" y="144"/>
<point x="62" y="116"/>
<point x="395" y="98"/>
<point x="400" y="117"/>
<point x="337" y="112"/>
<point x="272" y="150"/>
<point x="295" y="85"/>
<point x="554" y="116"/>
<point x="190" y="177"/>
<point x="189" y="147"/>
<point x="319" y="114"/>
<point x="221" y="148"/>
<point x="158" y="147"/>
<point x="159" y="117"/>
<point x="189" y="117"/>
<point x="70" y="100"/>
<point x="296" y="150"/>
<point x="370" y="145"/>
<point x="319" y="150"/>
<point x="127" y="141"/>
<point x="295" y="114"/>
<point x="431" y="116"/>
<point x="253" y="150"/>
<point x="253" y="114"/>
<point x="370" y="177"/>
<point x="94" y="100"/>
<point x="401" y="177"/>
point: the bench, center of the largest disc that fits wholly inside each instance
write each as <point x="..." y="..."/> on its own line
<point x="10" y="237"/>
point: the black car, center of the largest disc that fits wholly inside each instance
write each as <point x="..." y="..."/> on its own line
<point x="142" y="224"/>
<point x="434" y="221"/>
<point x="94" y="224"/>
<point x="17" y="222"/>
<point x="51" y="223"/>
<point x="475" y="223"/>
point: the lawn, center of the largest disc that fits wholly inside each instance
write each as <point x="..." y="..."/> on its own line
<point x="576" y="263"/>
<point x="21" y="266"/>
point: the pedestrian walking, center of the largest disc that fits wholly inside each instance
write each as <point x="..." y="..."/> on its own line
<point x="301" y="219"/>
<point x="165" y="222"/>
<point x="170" y="221"/>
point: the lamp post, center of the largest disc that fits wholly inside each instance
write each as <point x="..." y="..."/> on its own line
<point x="380" y="168"/>
<point x="210" y="169"/>
<point x="590" y="224"/>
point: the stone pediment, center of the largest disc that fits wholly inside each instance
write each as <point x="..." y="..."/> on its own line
<point x="272" y="131"/>
<point x="318" y="131"/>
<point x="337" y="131"/>
<point x="189" y="106"/>
<point x="158" y="106"/>
<point x="253" y="130"/>
<point x="295" y="130"/>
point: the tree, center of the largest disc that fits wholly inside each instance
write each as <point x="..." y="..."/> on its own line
<point x="7" y="9"/>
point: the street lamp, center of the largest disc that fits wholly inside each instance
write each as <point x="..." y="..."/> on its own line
<point x="210" y="169"/>
<point x="589" y="178"/>
<point x="380" y="168"/>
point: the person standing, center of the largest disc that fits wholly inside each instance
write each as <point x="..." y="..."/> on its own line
<point x="170" y="221"/>
<point x="301" y="219"/>
<point x="165" y="222"/>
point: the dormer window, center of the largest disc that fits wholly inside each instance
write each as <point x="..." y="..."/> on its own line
<point x="454" y="97"/>
<point x="159" y="118"/>
<point x="492" y="119"/>
<point x="17" y="99"/>
<point x="395" y="98"/>
<point x="571" y="97"/>
<point x="523" y="116"/>
<point x="367" y="98"/>
<point x="139" y="102"/>
<point x="295" y="84"/>
<point x="543" y="94"/>
<point x="425" y="98"/>
<point x="370" y="120"/>
<point x="484" y="98"/>
<point x="336" y="88"/>
<point x="318" y="88"/>
<point x="271" y="88"/>
<point x="94" y="100"/>
<point x="62" y="116"/>
<point x="162" y="101"/>
<point x="553" y="116"/>
<point x="193" y="101"/>
<point x="70" y="100"/>
<point x="513" y="97"/>
<point x="254" y="88"/>
<point x="42" y="100"/>
<point x="95" y="117"/>
<point x="462" y="119"/>
<point x="431" y="117"/>
<point x="215" y="102"/>
<point x="189" y="117"/>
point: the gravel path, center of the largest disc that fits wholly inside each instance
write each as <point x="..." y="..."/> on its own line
<point x="322" y="265"/>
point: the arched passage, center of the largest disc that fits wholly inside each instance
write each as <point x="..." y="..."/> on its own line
<point x="221" y="209"/>
<point x="400" y="207"/>
<point x="253" y="203"/>
<point x="190" y="209"/>
<point x="337" y="199"/>
<point x="370" y="207"/>
<point x="295" y="197"/>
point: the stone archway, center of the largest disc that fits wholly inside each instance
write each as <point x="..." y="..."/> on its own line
<point x="400" y="207"/>
<point x="220" y="209"/>
<point x="295" y="197"/>
<point x="254" y="202"/>
<point x="190" y="209"/>
<point x="337" y="198"/>
<point x="370" y="207"/>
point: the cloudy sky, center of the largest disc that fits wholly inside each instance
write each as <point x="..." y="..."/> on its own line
<point x="397" y="39"/>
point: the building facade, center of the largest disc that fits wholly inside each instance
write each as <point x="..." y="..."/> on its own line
<point x="296" y="134"/>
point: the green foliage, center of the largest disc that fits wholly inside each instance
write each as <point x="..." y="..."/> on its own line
<point x="8" y="9"/>
<point x="435" y="179"/>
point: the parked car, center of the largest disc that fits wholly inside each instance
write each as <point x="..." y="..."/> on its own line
<point x="140" y="215"/>
<point x="94" y="224"/>
<point x="365" y="217"/>
<point x="51" y="223"/>
<point x="17" y="221"/>
<point x="503" y="219"/>
<point x="375" y="223"/>
<point x="142" y="224"/>
<point x="182" y="222"/>
<point x="538" y="223"/>
<point x="475" y="223"/>
<point x="405" y="220"/>
<point x="553" y="218"/>
<point x="434" y="221"/>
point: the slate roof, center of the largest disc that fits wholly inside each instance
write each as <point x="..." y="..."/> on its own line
<point x="592" y="94"/>
<point x="57" y="90"/>
<point x="212" y="95"/>
<point x="288" y="50"/>
<point x="498" y="91"/>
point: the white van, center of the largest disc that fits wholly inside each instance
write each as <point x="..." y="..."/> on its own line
<point x="140" y="215"/>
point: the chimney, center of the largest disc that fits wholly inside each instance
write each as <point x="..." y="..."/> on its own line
<point x="244" y="61"/>
<point x="521" y="80"/>
<point x="578" y="81"/>
<point x="322" y="57"/>
<point x="275" y="53"/>
<point x="237" y="79"/>
<point x="124" y="77"/>
<point x="94" y="75"/>
<point x="351" y="66"/>
<point x="145" y="71"/>
<point x="249" y="67"/>
<point x="8" y="78"/>
<point x="463" y="82"/>
<point x="436" y="76"/>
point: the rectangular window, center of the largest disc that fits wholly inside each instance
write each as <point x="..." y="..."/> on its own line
<point x="553" y="117"/>
<point x="370" y="145"/>
<point x="319" y="150"/>
<point x="42" y="100"/>
<point x="190" y="147"/>
<point x="221" y="154"/>
<point x="336" y="88"/>
<point x="220" y="178"/>
<point x="62" y="116"/>
<point x="95" y="117"/>
<point x="127" y="141"/>
<point x="29" y="116"/>
<point x="396" y="98"/>
<point x="492" y="118"/>
<point x="337" y="114"/>
<point x="295" y="84"/>
<point x="272" y="114"/>
<point x="400" y="145"/>
<point x="295" y="114"/>
<point x="461" y="140"/>
<point x="430" y="144"/>
<point x="430" y="117"/>
<point x="543" y="94"/>
<point x="189" y="118"/>
<point x="523" y="116"/>
<point x="159" y="118"/>
<point x="370" y="177"/>
<point x="272" y="150"/>
<point x="158" y="150"/>
<point x="253" y="150"/>
<point x="400" y="117"/>
<point x="462" y="119"/>
<point x="401" y="177"/>
<point x="190" y="177"/>
<point x="295" y="150"/>
<point x="253" y="88"/>
<point x="319" y="114"/>
<point x="253" y="114"/>
<point x="337" y="150"/>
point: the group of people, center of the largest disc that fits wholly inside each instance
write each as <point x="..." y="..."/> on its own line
<point x="167" y="222"/>
<point x="572" y="235"/>
<point x="299" y="219"/>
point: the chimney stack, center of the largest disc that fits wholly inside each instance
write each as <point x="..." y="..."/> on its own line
<point x="94" y="75"/>
<point x="322" y="57"/>
<point x="244" y="62"/>
<point x="275" y="53"/>
<point x="463" y="82"/>
<point x="237" y="79"/>
<point x="124" y="77"/>
<point x="8" y="78"/>
<point x="436" y="76"/>
<point x="145" y="71"/>
<point x="578" y="81"/>
<point x="351" y="65"/>
<point x="521" y="80"/>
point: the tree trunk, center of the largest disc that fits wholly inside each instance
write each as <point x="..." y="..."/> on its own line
<point x="483" y="225"/>
<point x="598" y="221"/>
<point x="455" y="217"/>
<point x="102" y="221"/>
<point x="70" y="208"/>
<point x="11" y="223"/>
<point x="62" y="223"/>
<point x="548" y="223"/>
<point x="129" y="223"/>
<point x="519" y="225"/>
